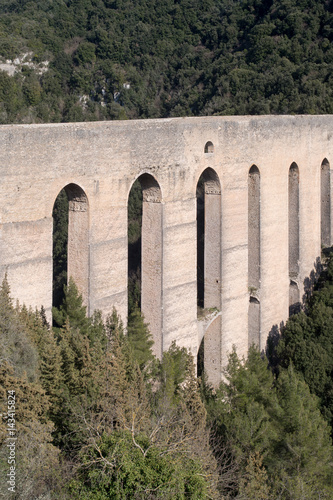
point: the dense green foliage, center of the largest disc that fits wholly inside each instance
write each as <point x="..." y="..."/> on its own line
<point x="178" y="57"/>
<point x="307" y="342"/>
<point x="274" y="431"/>
<point x="88" y="394"/>
<point x="95" y="408"/>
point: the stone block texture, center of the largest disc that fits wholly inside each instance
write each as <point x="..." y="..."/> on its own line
<point x="98" y="163"/>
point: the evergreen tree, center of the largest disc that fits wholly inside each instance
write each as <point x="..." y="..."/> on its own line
<point x="245" y="405"/>
<point x="307" y="342"/>
<point x="275" y="431"/>
<point x="36" y="458"/>
<point x="81" y="348"/>
<point x="51" y="375"/>
<point x="140" y="339"/>
<point x="16" y="346"/>
<point x="72" y="308"/>
<point x="254" y="484"/>
<point x="301" y="461"/>
<point x="173" y="371"/>
<point x="145" y="450"/>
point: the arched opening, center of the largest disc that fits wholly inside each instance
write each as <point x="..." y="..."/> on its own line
<point x="209" y="240"/>
<point x="293" y="233"/>
<point x="145" y="254"/>
<point x="254" y="255"/>
<point x="208" y="194"/>
<point x="70" y="242"/>
<point x="325" y="202"/>
<point x="209" y="147"/>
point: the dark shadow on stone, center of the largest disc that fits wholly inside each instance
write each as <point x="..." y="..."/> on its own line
<point x="327" y="251"/>
<point x="311" y="281"/>
<point x="273" y="340"/>
<point x="254" y="321"/>
<point x="201" y="358"/>
<point x="294" y="298"/>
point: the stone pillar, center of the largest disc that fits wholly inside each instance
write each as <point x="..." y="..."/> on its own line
<point x="212" y="275"/>
<point x="78" y="241"/>
<point x="151" y="267"/>
<point x="325" y="202"/>
<point x="254" y="227"/>
<point x="212" y="351"/>
<point x="293" y="231"/>
<point x="254" y="255"/>
<point x="212" y="252"/>
<point x="254" y="322"/>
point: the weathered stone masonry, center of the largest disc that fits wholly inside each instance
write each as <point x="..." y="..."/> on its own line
<point x="275" y="168"/>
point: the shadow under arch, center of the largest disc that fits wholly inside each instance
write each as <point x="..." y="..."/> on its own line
<point x="71" y="239"/>
<point x="145" y="212"/>
<point x="209" y="272"/>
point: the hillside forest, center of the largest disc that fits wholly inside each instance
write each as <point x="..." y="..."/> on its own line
<point x="97" y="415"/>
<point x="77" y="60"/>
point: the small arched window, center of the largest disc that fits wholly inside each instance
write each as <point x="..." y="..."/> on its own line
<point x="209" y="147"/>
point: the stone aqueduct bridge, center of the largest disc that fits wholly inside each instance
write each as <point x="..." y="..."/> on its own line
<point x="267" y="212"/>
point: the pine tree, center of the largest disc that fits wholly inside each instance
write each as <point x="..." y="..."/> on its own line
<point x="73" y="309"/>
<point x="16" y="346"/>
<point x="140" y="338"/>
<point x="274" y="428"/>
<point x="36" y="456"/>
<point x="50" y="370"/>
<point x="173" y="371"/>
<point x="82" y="344"/>
<point x="245" y="404"/>
<point x="147" y="451"/>
<point x="301" y="461"/>
<point x="307" y="342"/>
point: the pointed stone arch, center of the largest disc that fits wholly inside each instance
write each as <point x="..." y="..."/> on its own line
<point x="151" y="258"/>
<point x="78" y="239"/>
<point x="254" y="255"/>
<point x="325" y="203"/>
<point x="293" y="238"/>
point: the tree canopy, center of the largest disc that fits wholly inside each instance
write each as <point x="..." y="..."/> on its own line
<point x="112" y="421"/>
<point x="104" y="59"/>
